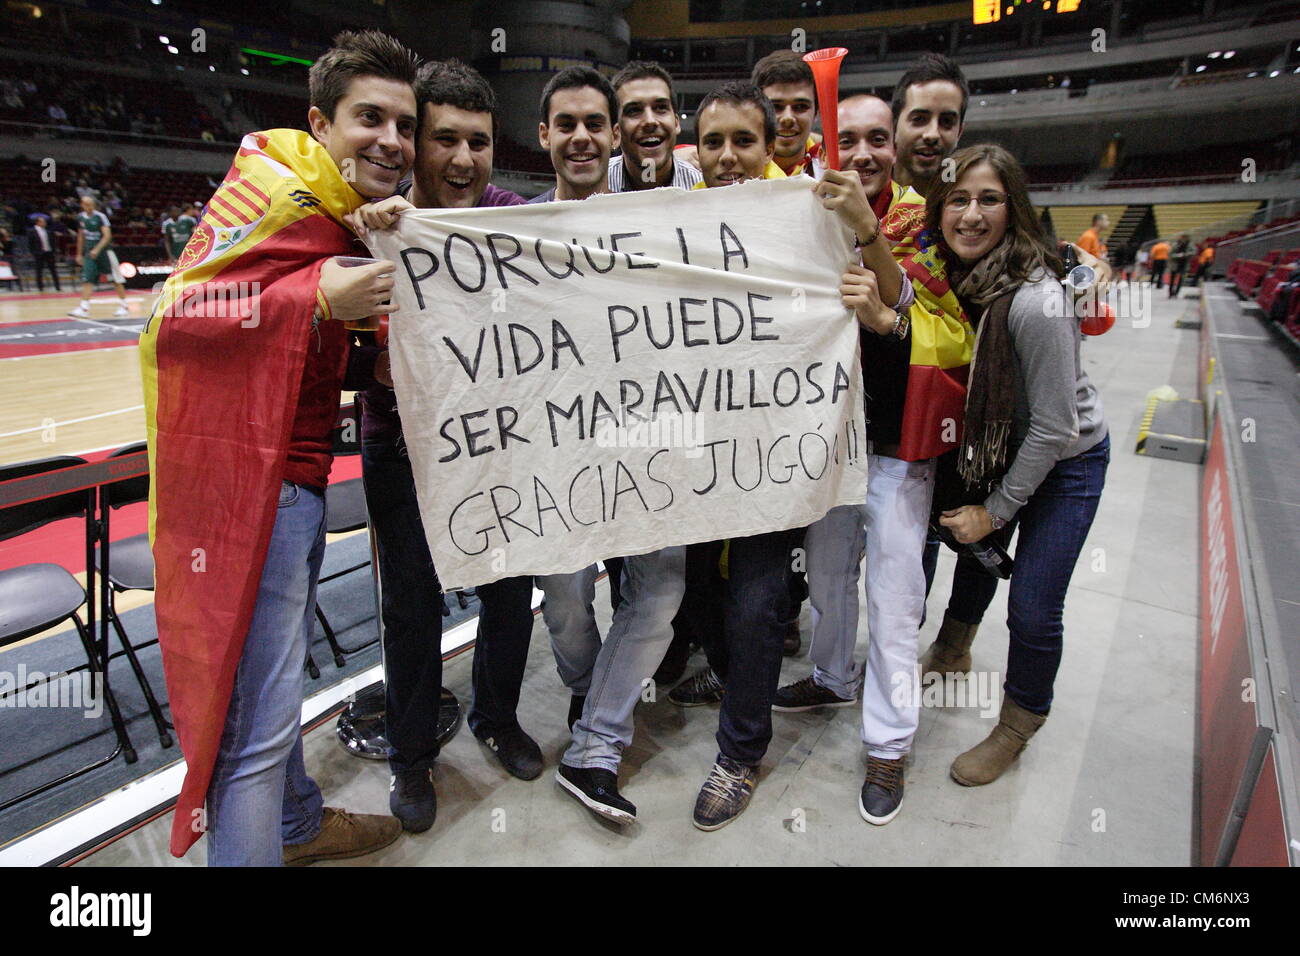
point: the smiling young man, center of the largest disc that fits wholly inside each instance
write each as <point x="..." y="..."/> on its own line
<point x="242" y="397"/>
<point x="738" y="146"/>
<point x="578" y="129"/>
<point x="929" y="106"/>
<point x="648" y="128"/>
<point x="736" y="127"/>
<point x="737" y="130"/>
<point x="787" y="81"/>
<point x="890" y="527"/>
<point x="453" y="163"/>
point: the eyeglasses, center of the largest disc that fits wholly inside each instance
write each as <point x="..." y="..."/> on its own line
<point x="987" y="202"/>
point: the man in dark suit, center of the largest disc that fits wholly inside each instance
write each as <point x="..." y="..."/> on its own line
<point x="43" y="251"/>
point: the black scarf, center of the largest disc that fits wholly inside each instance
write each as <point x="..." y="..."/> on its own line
<point x="990" y="398"/>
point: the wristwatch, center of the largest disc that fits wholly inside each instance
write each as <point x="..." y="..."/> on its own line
<point x="902" y="322"/>
<point x="998" y="523"/>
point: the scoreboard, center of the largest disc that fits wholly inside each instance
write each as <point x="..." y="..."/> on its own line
<point x="991" y="11"/>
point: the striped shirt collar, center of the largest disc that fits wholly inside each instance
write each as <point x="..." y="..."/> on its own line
<point x="685" y="176"/>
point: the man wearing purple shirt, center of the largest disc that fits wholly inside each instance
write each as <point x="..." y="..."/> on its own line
<point x="453" y="160"/>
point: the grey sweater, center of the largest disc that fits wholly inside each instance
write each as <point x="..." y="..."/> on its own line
<point x="1058" y="410"/>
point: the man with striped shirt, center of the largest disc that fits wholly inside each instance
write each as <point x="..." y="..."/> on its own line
<point x="649" y="125"/>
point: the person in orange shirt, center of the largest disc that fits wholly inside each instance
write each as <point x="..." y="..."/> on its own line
<point x="1090" y="242"/>
<point x="1203" y="263"/>
<point x="1159" y="259"/>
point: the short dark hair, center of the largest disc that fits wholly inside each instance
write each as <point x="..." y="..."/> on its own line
<point x="740" y="93"/>
<point x="930" y="66"/>
<point x="1098" y="217"/>
<point x="354" y="54"/>
<point x="783" y="66"/>
<point x="641" y="70"/>
<point x="574" y="78"/>
<point x="453" y="82"/>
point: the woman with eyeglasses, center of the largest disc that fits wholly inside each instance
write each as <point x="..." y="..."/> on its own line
<point x="1035" y="445"/>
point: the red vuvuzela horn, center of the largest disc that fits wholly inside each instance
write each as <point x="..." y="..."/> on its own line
<point x="1098" y="320"/>
<point x="825" y="66"/>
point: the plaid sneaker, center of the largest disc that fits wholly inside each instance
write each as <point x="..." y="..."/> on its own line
<point x="725" y="793"/>
<point x="807" y="694"/>
<point x="703" y="688"/>
<point x="882" y="791"/>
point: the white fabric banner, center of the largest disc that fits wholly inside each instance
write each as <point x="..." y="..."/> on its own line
<point x="581" y="380"/>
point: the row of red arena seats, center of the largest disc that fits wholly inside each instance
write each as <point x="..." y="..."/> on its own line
<point x="1264" y="280"/>
<point x="1271" y="224"/>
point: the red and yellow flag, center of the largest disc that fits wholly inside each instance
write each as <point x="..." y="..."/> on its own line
<point x="942" y="341"/>
<point x="222" y="358"/>
<point x="903" y="219"/>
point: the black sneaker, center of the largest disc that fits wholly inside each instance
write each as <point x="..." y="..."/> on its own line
<point x="807" y="694"/>
<point x="518" y="752"/>
<point x="412" y="800"/>
<point x="597" y="790"/>
<point x="882" y="791"/>
<point x="725" y="793"/>
<point x="703" y="688"/>
<point x="576" y="704"/>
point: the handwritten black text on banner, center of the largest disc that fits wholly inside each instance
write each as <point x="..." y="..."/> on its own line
<point x="581" y="380"/>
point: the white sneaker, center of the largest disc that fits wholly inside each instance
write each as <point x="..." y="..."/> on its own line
<point x="122" y="311"/>
<point x="80" y="313"/>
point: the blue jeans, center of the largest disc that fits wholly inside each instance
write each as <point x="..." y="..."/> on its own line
<point x="972" y="587"/>
<point x="651" y="586"/>
<point x="1053" y="526"/>
<point x="412" y="608"/>
<point x="260" y="796"/>
<point x="757" y="606"/>
<point x="570" y="615"/>
<point x="505" y="629"/>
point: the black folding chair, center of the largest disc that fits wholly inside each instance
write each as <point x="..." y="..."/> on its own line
<point x="35" y="597"/>
<point x="128" y="567"/>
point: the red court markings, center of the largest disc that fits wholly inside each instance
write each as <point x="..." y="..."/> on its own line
<point x="36" y="296"/>
<point x="64" y="542"/>
<point x="23" y="351"/>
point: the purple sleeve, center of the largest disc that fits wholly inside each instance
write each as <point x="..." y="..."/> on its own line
<point x="496" y="196"/>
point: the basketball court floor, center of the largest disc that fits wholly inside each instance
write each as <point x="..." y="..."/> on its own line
<point x="1108" y="781"/>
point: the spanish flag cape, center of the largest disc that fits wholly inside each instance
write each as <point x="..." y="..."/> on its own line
<point x="942" y="342"/>
<point x="222" y="359"/>
<point x="901" y="212"/>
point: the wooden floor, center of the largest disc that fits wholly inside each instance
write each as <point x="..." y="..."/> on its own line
<point x="70" y="402"/>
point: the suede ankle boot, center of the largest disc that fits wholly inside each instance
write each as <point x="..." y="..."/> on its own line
<point x="950" y="652"/>
<point x="988" y="760"/>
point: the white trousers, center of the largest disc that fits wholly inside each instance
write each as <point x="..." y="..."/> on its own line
<point x="890" y="530"/>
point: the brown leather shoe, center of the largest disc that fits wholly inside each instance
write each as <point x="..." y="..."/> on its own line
<point x="343" y="835"/>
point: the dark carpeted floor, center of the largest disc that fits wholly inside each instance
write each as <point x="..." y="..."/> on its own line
<point x="41" y="741"/>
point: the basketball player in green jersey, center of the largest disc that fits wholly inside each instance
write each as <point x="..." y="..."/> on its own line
<point x="96" y="257"/>
<point x="177" y="232"/>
